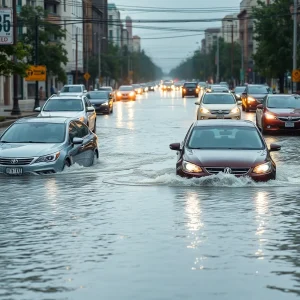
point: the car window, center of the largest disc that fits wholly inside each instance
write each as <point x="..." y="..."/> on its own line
<point x="73" y="131"/>
<point x="259" y="89"/>
<point x="190" y="85"/>
<point x="71" y="89"/>
<point x="82" y="129"/>
<point x="284" y="102"/>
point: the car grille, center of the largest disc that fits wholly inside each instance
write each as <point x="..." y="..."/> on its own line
<point x="15" y="161"/>
<point x="289" y="119"/>
<point x="234" y="171"/>
<point x="221" y="112"/>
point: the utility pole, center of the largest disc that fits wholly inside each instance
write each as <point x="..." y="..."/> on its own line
<point x="87" y="61"/>
<point x="294" y="86"/>
<point x="232" y="54"/>
<point x="242" y="64"/>
<point x="99" y="54"/>
<point x="37" y="98"/>
<point x="16" y="109"/>
<point x="76" y="59"/>
<point x="218" y="61"/>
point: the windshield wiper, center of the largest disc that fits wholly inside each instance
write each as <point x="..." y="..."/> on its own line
<point x="4" y="142"/>
<point x="31" y="142"/>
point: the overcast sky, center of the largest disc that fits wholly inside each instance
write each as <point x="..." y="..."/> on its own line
<point x="168" y="52"/>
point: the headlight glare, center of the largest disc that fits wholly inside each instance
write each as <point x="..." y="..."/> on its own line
<point x="250" y="99"/>
<point x="204" y="110"/>
<point x="191" y="168"/>
<point x="235" y="110"/>
<point x="119" y="94"/>
<point x="269" y="116"/>
<point x="48" y="158"/>
<point x="105" y="103"/>
<point x="263" y="168"/>
<point x="81" y="119"/>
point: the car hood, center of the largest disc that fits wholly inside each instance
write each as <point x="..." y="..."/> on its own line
<point x="226" y="158"/>
<point x="98" y="101"/>
<point x="219" y="106"/>
<point x="19" y="150"/>
<point x="285" y="111"/>
<point x="67" y="114"/>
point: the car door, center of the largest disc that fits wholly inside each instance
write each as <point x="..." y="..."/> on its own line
<point x="91" y="116"/>
<point x="87" y="148"/>
<point x="260" y="111"/>
<point x="199" y="106"/>
<point x="74" y="151"/>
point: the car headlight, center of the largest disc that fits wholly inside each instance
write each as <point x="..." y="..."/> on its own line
<point x="263" y="168"/>
<point x="250" y="99"/>
<point x="204" y="110"/>
<point x="105" y="103"/>
<point x="48" y="158"/>
<point x="191" y="168"/>
<point x="238" y="96"/>
<point x="131" y="93"/>
<point x="269" y="116"/>
<point x="81" y="119"/>
<point x="235" y="110"/>
<point x="119" y="94"/>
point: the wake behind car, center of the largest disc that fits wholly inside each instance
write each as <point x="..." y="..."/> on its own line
<point x="230" y="147"/>
<point x="46" y="145"/>
<point x="190" y="89"/>
<point x="253" y="96"/>
<point x="278" y="113"/>
<point x="102" y="101"/>
<point x="72" y="107"/>
<point x="72" y="90"/>
<point x="218" y="106"/>
<point x="126" y="92"/>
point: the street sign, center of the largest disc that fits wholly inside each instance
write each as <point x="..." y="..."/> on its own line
<point x="6" y="26"/>
<point x="36" y="73"/>
<point x="296" y="76"/>
<point x="86" y="76"/>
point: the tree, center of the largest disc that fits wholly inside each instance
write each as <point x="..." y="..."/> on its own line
<point x="7" y="65"/>
<point x="273" y="29"/>
<point x="51" y="49"/>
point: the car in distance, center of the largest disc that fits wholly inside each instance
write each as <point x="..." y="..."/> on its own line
<point x="72" y="90"/>
<point x="202" y="85"/>
<point x="253" y="95"/>
<point x="221" y="89"/>
<point x="238" y="91"/>
<point x="167" y="86"/>
<point x="224" y="83"/>
<point x="108" y="89"/>
<point x="102" y="101"/>
<point x="72" y="107"/>
<point x="190" y="89"/>
<point x="278" y="113"/>
<point x="230" y="147"/>
<point x="178" y="85"/>
<point x="126" y="92"/>
<point x="138" y="89"/>
<point x="218" y="106"/>
<point x="46" y="145"/>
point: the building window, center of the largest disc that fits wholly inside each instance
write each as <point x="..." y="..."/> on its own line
<point x="65" y="27"/>
<point x="110" y="34"/>
<point x="65" y="6"/>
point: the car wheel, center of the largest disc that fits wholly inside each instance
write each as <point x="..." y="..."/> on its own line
<point x="67" y="164"/>
<point x="95" y="126"/>
<point x="243" y="107"/>
<point x="247" y="108"/>
<point x="95" y="158"/>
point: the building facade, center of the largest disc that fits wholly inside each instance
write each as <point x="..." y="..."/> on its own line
<point x="230" y="28"/>
<point x="136" y="43"/>
<point x="211" y="36"/>
<point x="114" y="25"/>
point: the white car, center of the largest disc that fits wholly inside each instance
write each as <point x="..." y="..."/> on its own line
<point x="72" y="90"/>
<point x="218" y="106"/>
<point x="73" y="107"/>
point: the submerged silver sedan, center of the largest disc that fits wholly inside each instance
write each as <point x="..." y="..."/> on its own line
<point x="46" y="145"/>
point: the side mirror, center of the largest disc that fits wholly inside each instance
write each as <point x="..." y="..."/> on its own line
<point x="274" y="92"/>
<point x="260" y="106"/>
<point x="175" y="146"/>
<point x="85" y="91"/>
<point x="90" y="109"/>
<point x="37" y="109"/>
<point x="197" y="103"/>
<point x="274" y="147"/>
<point x="244" y="93"/>
<point x="77" y="141"/>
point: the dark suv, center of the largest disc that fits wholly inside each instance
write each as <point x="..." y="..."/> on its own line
<point x="190" y="89"/>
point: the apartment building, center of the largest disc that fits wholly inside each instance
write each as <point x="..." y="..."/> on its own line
<point x="211" y="35"/>
<point x="136" y="43"/>
<point x="114" y="25"/>
<point x="230" y="28"/>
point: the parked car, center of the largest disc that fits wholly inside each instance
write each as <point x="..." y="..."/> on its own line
<point x="72" y="90"/>
<point x="278" y="113"/>
<point x="218" y="106"/>
<point x="102" y="101"/>
<point x="73" y="107"/>
<point x="253" y="95"/>
<point x="230" y="147"/>
<point x="126" y="92"/>
<point x="46" y="145"/>
<point x="190" y="89"/>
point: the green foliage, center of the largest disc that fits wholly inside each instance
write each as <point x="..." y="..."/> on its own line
<point x="7" y="65"/>
<point x="51" y="49"/>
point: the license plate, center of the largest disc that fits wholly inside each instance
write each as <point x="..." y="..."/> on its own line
<point x="190" y="90"/>
<point x="220" y="116"/>
<point x="14" y="171"/>
<point x="289" y="124"/>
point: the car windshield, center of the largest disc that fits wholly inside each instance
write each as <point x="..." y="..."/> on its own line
<point x="97" y="95"/>
<point x="284" y="102"/>
<point x="71" y="89"/>
<point x="219" y="99"/>
<point x="220" y="89"/>
<point x="63" y="105"/>
<point x="35" y="133"/>
<point x="239" y="89"/>
<point x="225" y="137"/>
<point x="260" y="89"/>
<point x="126" y="88"/>
<point x="190" y="85"/>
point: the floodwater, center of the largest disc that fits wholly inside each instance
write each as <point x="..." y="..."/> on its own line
<point x="128" y="228"/>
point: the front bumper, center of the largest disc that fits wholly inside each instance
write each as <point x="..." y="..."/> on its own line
<point x="126" y="97"/>
<point x="235" y="116"/>
<point x="278" y="125"/>
<point x="190" y="93"/>
<point x="101" y="108"/>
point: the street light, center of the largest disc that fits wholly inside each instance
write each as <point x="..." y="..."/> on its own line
<point x="99" y="57"/>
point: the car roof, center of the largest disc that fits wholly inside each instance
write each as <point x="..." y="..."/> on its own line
<point x="257" y="85"/>
<point x="235" y="123"/>
<point x="73" y="85"/>
<point x="218" y="93"/>
<point x="59" y="120"/>
<point x="282" y="95"/>
<point x="66" y="97"/>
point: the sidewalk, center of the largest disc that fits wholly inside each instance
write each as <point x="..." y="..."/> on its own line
<point x="26" y="108"/>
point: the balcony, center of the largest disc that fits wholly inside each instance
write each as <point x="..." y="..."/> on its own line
<point x="54" y="18"/>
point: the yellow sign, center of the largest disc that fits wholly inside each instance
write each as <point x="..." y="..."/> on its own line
<point x="36" y="73"/>
<point x="296" y="76"/>
<point x="86" y="76"/>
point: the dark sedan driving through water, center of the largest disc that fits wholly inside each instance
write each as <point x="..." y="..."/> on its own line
<point x="102" y="101"/>
<point x="230" y="147"/>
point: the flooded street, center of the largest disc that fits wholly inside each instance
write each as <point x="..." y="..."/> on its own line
<point x="129" y="228"/>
